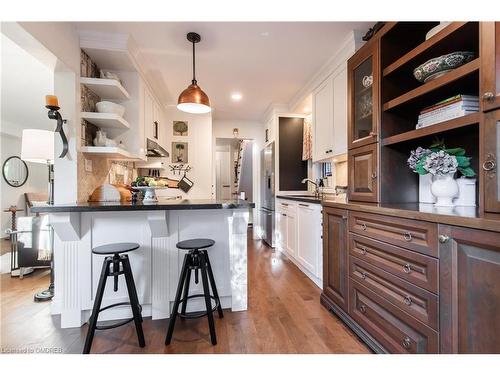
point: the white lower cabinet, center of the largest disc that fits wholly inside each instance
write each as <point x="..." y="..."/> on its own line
<point x="298" y="233"/>
<point x="291" y="234"/>
<point x="308" y="228"/>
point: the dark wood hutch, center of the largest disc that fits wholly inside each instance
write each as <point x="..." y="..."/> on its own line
<point x="406" y="279"/>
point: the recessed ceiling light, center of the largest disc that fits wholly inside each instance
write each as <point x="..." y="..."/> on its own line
<point x="264" y="33"/>
<point x="236" y="96"/>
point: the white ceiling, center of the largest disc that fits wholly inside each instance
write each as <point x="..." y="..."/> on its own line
<point x="267" y="62"/>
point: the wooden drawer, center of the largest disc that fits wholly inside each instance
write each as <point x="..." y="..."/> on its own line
<point x="395" y="330"/>
<point x="415" y="235"/>
<point x="416" y="301"/>
<point x="416" y="268"/>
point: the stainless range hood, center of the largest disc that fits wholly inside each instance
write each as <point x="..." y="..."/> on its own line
<point x="155" y="150"/>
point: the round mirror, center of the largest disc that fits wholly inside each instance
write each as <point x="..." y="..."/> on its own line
<point x="15" y="171"/>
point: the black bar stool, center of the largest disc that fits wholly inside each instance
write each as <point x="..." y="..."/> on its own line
<point x="115" y="265"/>
<point x="196" y="259"/>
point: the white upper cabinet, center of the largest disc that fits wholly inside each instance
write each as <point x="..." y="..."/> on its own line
<point x="322" y="118"/>
<point x="340" y="113"/>
<point x="329" y="116"/>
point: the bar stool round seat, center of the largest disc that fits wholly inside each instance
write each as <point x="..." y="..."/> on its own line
<point x="195" y="260"/>
<point x="115" y="248"/>
<point x="195" y="244"/>
<point x="115" y="264"/>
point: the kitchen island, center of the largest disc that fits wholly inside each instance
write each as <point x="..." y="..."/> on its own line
<point x="156" y="227"/>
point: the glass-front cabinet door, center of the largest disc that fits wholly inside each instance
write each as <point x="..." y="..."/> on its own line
<point x="363" y="85"/>
<point x="490" y="158"/>
<point x="490" y="65"/>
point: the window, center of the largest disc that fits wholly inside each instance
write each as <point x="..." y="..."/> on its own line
<point x="326" y="170"/>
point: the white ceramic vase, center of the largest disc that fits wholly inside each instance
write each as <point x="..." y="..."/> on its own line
<point x="444" y="188"/>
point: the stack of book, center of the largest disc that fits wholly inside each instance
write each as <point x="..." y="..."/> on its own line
<point x="456" y="106"/>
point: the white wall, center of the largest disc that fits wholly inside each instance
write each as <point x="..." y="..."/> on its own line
<point x="57" y="45"/>
<point x="22" y="109"/>
<point x="14" y="196"/>
<point x="199" y="152"/>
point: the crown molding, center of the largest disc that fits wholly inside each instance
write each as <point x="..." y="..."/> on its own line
<point x="347" y="48"/>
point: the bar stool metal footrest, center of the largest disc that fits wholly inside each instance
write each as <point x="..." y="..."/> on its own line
<point x="196" y="314"/>
<point x="121" y="322"/>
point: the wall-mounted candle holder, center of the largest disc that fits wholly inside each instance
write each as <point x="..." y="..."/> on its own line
<point x="52" y="105"/>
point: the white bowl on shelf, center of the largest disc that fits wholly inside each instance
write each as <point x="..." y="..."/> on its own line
<point x="110" y="107"/>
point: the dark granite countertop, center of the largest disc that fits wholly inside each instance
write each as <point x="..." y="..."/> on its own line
<point x="460" y="216"/>
<point x="166" y="204"/>
<point x="301" y="198"/>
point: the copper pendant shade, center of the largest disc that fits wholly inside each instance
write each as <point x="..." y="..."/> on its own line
<point x="193" y="99"/>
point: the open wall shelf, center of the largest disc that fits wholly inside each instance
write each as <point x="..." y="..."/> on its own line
<point x="458" y="79"/>
<point x="114" y="153"/>
<point x="402" y="99"/>
<point x="458" y="36"/>
<point x="110" y="89"/>
<point x="435" y="129"/>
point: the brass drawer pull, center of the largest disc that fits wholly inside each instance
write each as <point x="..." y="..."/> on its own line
<point x="489" y="165"/>
<point x="363" y="226"/>
<point x="363" y="250"/>
<point x="407" y="268"/>
<point x="406" y="343"/>
<point x="363" y="275"/>
<point x="408" y="301"/>
<point x="362" y="308"/>
<point x="407" y="236"/>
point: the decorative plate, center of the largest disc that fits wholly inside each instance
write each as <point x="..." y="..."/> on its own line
<point x="438" y="66"/>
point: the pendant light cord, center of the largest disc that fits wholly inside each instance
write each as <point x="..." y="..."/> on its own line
<point x="194" y="66"/>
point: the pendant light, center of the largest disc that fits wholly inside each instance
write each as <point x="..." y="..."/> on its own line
<point x="193" y="99"/>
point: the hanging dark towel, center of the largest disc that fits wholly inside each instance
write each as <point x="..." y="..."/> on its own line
<point x="185" y="184"/>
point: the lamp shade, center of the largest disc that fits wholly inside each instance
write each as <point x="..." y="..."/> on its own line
<point x="193" y="100"/>
<point x="37" y="146"/>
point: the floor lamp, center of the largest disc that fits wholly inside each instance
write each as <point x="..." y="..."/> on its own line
<point x="37" y="146"/>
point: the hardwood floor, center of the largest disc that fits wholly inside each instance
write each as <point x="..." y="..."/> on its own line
<point x="284" y="316"/>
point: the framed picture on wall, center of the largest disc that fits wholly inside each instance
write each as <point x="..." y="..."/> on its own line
<point x="181" y="128"/>
<point x="179" y="152"/>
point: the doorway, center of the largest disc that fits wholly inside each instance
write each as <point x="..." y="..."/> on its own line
<point x="234" y="168"/>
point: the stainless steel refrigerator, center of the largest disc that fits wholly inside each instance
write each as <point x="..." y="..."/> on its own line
<point x="267" y="217"/>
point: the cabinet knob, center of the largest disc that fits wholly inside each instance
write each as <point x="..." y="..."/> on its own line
<point x="407" y="236"/>
<point x="489" y="165"/>
<point x="407" y="268"/>
<point x="362" y="308"/>
<point x="488" y="96"/>
<point x="374" y="175"/>
<point x="363" y="250"/>
<point x="363" y="275"/>
<point x="443" y="238"/>
<point x="363" y="226"/>
<point x="406" y="343"/>
<point x="408" y="301"/>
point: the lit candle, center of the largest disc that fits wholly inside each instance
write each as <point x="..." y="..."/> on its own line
<point x="51" y="100"/>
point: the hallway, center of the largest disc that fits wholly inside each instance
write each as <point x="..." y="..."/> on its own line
<point x="284" y="316"/>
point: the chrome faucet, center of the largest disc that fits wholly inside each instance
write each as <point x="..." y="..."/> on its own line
<point x="316" y="187"/>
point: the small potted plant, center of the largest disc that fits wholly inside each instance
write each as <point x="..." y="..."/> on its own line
<point x="442" y="163"/>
